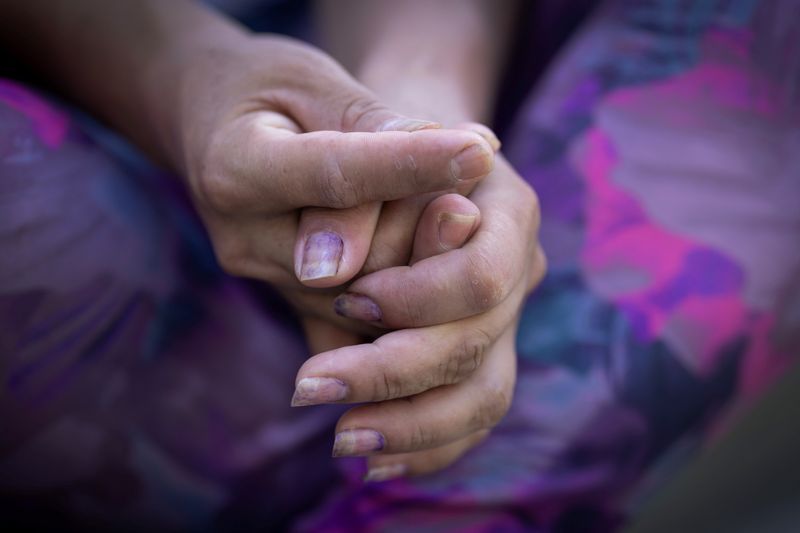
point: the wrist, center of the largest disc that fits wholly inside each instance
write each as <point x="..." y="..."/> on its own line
<point x="445" y="96"/>
<point x="435" y="60"/>
<point x="183" y="85"/>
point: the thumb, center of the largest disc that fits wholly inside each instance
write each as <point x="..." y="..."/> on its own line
<point x="353" y="227"/>
<point x="362" y="111"/>
<point x="446" y="224"/>
<point x="353" y="230"/>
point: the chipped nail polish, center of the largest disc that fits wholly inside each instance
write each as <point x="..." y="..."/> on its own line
<point x="385" y="473"/>
<point x="472" y="162"/>
<point x="321" y="256"/>
<point x="357" y="306"/>
<point x="313" y="391"/>
<point x="357" y="442"/>
<point x="454" y="229"/>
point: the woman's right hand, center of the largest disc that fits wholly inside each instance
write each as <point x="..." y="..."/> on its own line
<point x="259" y="126"/>
<point x="270" y="126"/>
<point x="432" y="388"/>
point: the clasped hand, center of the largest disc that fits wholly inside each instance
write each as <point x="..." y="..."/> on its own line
<point x="408" y="290"/>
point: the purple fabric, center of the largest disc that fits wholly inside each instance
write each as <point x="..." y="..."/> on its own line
<point x="139" y="383"/>
<point x="144" y="389"/>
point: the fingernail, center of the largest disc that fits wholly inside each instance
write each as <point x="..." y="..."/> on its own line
<point x="321" y="256"/>
<point x="313" y="391"/>
<point x="409" y="124"/>
<point x="484" y="132"/>
<point x="491" y="138"/>
<point x="357" y="442"/>
<point x="385" y="473"/>
<point x="357" y="306"/>
<point x="454" y="229"/>
<point x="472" y="162"/>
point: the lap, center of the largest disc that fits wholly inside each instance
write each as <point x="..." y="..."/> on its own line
<point x="672" y="264"/>
<point x="128" y="359"/>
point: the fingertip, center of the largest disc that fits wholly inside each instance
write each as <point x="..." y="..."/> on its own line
<point x="358" y="307"/>
<point x="318" y="390"/>
<point x="385" y="472"/>
<point x="474" y="161"/>
<point x="483" y="131"/>
<point x="357" y="442"/>
<point x="447" y="223"/>
<point x="454" y="229"/>
<point x="333" y="244"/>
<point x="320" y="256"/>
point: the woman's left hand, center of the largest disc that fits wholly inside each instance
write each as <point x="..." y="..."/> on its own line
<point x="435" y="387"/>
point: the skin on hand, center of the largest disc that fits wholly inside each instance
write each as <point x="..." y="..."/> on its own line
<point x="245" y="184"/>
<point x="378" y="239"/>
<point x="249" y="133"/>
<point x="263" y="146"/>
<point x="387" y="230"/>
<point x="241" y="118"/>
<point x="450" y="52"/>
<point x="259" y="127"/>
<point x="436" y="388"/>
<point x="447" y="223"/>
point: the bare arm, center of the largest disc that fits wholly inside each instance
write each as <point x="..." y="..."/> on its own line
<point x="123" y="61"/>
<point x="259" y="126"/>
<point x="438" y="60"/>
<point x="435" y="60"/>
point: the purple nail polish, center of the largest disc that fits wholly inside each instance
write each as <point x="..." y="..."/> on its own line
<point x="313" y="391"/>
<point x="358" y="442"/>
<point x="357" y="306"/>
<point x="321" y="256"/>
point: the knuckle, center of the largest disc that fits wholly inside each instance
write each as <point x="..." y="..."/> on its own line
<point x="493" y="406"/>
<point x="466" y="358"/>
<point x="487" y="281"/>
<point x="232" y="256"/>
<point x="218" y="188"/>
<point x="357" y="110"/>
<point x="420" y="437"/>
<point x="220" y="192"/>
<point x="413" y="309"/>
<point x="538" y="270"/>
<point x="407" y="166"/>
<point x="335" y="189"/>
<point x="529" y="210"/>
<point x="387" y="384"/>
